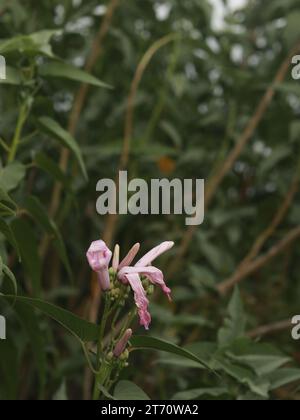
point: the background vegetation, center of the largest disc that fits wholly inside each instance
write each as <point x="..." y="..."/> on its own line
<point x="187" y="101"/>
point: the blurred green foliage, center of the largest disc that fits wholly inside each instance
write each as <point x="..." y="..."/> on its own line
<point x="194" y="101"/>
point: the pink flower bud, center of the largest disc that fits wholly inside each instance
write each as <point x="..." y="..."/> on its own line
<point x="99" y="256"/>
<point x="121" y="345"/>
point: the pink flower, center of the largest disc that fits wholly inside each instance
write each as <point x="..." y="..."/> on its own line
<point x="131" y="275"/>
<point x="121" y="345"/>
<point x="99" y="256"/>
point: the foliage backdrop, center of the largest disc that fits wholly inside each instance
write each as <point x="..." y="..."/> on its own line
<point x="76" y="95"/>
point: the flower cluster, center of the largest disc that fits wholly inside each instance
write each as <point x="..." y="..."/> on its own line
<point x="141" y="274"/>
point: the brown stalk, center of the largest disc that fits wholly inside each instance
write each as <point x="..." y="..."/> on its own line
<point x="81" y="97"/>
<point x="112" y="220"/>
<point x="273" y="328"/>
<point x="278" y="218"/>
<point x="76" y="111"/>
<point x="242" y="142"/>
<point x="259" y="262"/>
<point x="266" y="234"/>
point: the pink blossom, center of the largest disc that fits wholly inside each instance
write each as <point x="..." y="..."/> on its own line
<point x="99" y="256"/>
<point x="131" y="275"/>
<point x="121" y="345"/>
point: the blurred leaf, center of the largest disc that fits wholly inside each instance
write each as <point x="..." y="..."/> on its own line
<point x="39" y="214"/>
<point x="277" y="155"/>
<point x="48" y="165"/>
<point x="9" y="274"/>
<point x="262" y="358"/>
<point x="9" y="369"/>
<point x="29" y="252"/>
<point x="61" y="393"/>
<point x="235" y="323"/>
<point x="284" y="377"/>
<point x="8" y="233"/>
<point x="36" y="336"/>
<point x="13" y="77"/>
<point x="193" y="394"/>
<point x="11" y="176"/>
<point x="292" y="30"/>
<point x="36" y="43"/>
<point x="147" y="342"/>
<point x="67" y="71"/>
<point x="128" y="391"/>
<point x="52" y="128"/>
<point x="81" y="329"/>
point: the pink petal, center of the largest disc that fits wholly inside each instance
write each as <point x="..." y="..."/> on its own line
<point x="140" y="299"/>
<point x="154" y="253"/>
<point x="116" y="258"/>
<point x="99" y="256"/>
<point x="130" y="256"/>
<point x="152" y="273"/>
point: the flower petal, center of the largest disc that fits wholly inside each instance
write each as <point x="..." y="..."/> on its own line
<point x="99" y="256"/>
<point x="154" y="253"/>
<point x="140" y="299"/>
<point x="152" y="273"/>
<point x="130" y="256"/>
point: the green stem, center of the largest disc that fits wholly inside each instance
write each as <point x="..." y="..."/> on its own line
<point x="102" y="375"/>
<point x="101" y="379"/>
<point x="17" y="136"/>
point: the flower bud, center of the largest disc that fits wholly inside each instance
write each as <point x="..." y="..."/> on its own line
<point x="121" y="345"/>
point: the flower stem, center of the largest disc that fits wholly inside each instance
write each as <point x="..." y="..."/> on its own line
<point x="103" y="370"/>
<point x="17" y="136"/>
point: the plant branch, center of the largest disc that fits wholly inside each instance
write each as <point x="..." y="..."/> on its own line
<point x="242" y="142"/>
<point x="270" y="329"/>
<point x="259" y="262"/>
<point x="81" y="97"/>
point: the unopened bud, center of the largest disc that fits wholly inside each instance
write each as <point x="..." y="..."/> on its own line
<point x="121" y="345"/>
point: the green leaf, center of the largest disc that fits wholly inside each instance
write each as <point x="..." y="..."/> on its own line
<point x="67" y="71"/>
<point x="284" y="377"/>
<point x="292" y="30"/>
<point x="193" y="394"/>
<point x="235" y="323"/>
<point x="80" y="328"/>
<point x="29" y="320"/>
<point x="61" y="393"/>
<point x="40" y="215"/>
<point x="29" y="252"/>
<point x="278" y="154"/>
<point x="11" y="176"/>
<point x="9" y="274"/>
<point x="244" y="376"/>
<point x="13" y="77"/>
<point x="5" y="198"/>
<point x="128" y="391"/>
<point x="30" y="45"/>
<point x="52" y="128"/>
<point x="147" y="342"/>
<point x="48" y="165"/>
<point x="9" y="369"/>
<point x="8" y="233"/>
<point x="261" y="358"/>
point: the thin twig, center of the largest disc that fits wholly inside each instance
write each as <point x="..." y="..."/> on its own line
<point x="112" y="220"/>
<point x="279" y="216"/>
<point x="242" y="142"/>
<point x="266" y="234"/>
<point x="81" y="97"/>
<point x="268" y="329"/>
<point x="259" y="262"/>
